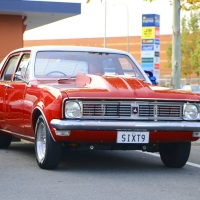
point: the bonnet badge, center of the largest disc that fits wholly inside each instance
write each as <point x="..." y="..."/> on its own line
<point x="134" y="110"/>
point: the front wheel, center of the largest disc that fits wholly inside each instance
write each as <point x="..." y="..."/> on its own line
<point x="48" y="152"/>
<point x="175" y="155"/>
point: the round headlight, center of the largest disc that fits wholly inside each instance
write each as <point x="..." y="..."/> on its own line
<point x="72" y="109"/>
<point x="190" y="111"/>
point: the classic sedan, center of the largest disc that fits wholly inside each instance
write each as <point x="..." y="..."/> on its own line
<point x="82" y="98"/>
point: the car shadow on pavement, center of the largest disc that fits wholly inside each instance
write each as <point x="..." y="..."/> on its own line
<point x="108" y="160"/>
<point x="26" y="147"/>
<point x="96" y="161"/>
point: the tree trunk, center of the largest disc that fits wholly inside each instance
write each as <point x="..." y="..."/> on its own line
<point x="176" y="46"/>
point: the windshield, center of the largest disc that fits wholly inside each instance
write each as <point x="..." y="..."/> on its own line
<point x="62" y="64"/>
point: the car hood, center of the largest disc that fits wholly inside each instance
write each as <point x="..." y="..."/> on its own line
<point x="121" y="87"/>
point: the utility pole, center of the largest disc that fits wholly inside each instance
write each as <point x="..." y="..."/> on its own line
<point x="176" y="46"/>
<point x="127" y="38"/>
<point x="105" y="23"/>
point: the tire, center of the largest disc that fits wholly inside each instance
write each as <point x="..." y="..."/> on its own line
<point x="47" y="151"/>
<point x="5" y="141"/>
<point x="175" y="155"/>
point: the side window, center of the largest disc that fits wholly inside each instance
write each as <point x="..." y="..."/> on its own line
<point x="10" y="66"/>
<point x="22" y="70"/>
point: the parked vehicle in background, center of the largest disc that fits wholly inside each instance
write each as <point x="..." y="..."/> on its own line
<point x="193" y="88"/>
<point x="85" y="98"/>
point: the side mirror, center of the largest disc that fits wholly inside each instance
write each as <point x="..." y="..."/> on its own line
<point x="18" y="76"/>
<point x="152" y="78"/>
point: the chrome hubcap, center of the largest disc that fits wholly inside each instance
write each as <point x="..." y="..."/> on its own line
<point x="41" y="142"/>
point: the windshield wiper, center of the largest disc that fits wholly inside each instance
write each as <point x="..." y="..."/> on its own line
<point x="68" y="78"/>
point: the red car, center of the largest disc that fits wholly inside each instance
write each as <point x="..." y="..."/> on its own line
<point x="92" y="99"/>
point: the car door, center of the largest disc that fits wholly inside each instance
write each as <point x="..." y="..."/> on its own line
<point x="14" y="100"/>
<point x="5" y="79"/>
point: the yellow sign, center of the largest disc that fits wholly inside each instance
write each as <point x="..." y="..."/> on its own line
<point x="148" y="32"/>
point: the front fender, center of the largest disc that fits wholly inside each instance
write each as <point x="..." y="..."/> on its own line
<point x="44" y="101"/>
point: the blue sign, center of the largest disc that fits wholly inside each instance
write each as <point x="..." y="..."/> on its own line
<point x="157" y="41"/>
<point x="147" y="66"/>
<point x="147" y="47"/>
<point x="151" y="20"/>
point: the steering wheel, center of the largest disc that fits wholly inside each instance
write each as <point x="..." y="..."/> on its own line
<point x="56" y="72"/>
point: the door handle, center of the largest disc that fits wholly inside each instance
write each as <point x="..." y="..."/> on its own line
<point x="8" y="86"/>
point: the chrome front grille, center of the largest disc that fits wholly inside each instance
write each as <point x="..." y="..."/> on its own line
<point x="133" y="110"/>
<point x="106" y="110"/>
<point x="146" y="110"/>
<point x="159" y="111"/>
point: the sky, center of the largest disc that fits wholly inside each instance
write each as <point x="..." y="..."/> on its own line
<point x="121" y="16"/>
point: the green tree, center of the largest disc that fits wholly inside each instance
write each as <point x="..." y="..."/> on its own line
<point x="169" y="55"/>
<point x="190" y="4"/>
<point x="190" y="46"/>
<point x="185" y="4"/>
<point x="195" y="42"/>
<point x="186" y="68"/>
<point x="196" y="60"/>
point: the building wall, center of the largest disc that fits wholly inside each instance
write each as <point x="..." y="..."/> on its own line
<point x="11" y="34"/>
<point x="113" y="42"/>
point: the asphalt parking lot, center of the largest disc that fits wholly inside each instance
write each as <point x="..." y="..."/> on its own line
<point x="97" y="175"/>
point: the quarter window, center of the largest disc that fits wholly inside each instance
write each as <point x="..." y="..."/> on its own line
<point x="9" y="69"/>
<point x="22" y="70"/>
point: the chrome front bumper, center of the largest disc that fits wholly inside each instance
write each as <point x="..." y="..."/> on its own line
<point x="124" y="125"/>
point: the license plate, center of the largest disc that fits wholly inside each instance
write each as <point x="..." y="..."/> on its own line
<point x="132" y="137"/>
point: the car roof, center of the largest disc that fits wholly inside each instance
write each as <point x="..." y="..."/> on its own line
<point x="69" y="48"/>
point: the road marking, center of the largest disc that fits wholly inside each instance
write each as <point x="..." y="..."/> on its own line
<point x="193" y="164"/>
<point x="157" y="155"/>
